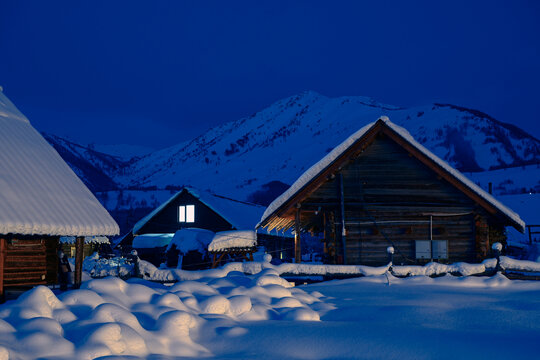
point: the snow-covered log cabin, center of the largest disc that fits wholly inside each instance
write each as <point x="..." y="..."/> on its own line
<point x="41" y="199"/>
<point x="381" y="188"/>
<point x="193" y="209"/>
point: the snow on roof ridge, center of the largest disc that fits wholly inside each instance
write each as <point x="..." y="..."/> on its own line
<point x="9" y="110"/>
<point x="322" y="164"/>
<point x="457" y="174"/>
<point x="313" y="171"/>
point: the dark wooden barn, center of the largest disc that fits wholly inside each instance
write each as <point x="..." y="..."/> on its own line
<point x="41" y="199"/>
<point x="381" y="188"/>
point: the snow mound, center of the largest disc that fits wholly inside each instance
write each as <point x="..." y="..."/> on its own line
<point x="138" y="319"/>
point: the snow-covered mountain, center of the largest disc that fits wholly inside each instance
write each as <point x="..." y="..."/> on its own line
<point x="97" y="170"/>
<point x="257" y="157"/>
<point x="124" y="152"/>
<point x="262" y="153"/>
<point x="259" y="153"/>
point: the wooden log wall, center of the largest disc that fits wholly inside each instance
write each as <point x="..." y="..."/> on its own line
<point x="388" y="198"/>
<point x="28" y="261"/>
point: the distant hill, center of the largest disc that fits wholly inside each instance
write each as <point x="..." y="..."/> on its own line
<point x="277" y="144"/>
<point x="257" y="157"/>
<point x="95" y="169"/>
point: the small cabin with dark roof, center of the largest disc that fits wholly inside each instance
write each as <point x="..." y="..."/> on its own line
<point x="194" y="209"/>
<point x="381" y="188"/>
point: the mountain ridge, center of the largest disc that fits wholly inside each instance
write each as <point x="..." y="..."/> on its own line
<point x="276" y="144"/>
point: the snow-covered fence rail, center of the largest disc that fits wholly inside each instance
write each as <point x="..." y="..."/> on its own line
<point x="487" y="267"/>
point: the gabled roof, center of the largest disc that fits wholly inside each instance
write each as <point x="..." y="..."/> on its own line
<point x="330" y="163"/>
<point x="39" y="193"/>
<point x="242" y="215"/>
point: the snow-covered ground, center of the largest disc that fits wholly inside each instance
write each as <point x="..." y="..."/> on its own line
<point x="235" y="316"/>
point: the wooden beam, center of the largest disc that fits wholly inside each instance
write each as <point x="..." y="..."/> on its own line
<point x="342" y="217"/>
<point x="2" y="262"/>
<point x="79" y="245"/>
<point x="297" y="240"/>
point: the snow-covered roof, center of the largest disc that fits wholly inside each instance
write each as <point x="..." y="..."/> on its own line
<point x="233" y="240"/>
<point x="87" y="240"/>
<point x="150" y="241"/>
<point x="189" y="239"/>
<point x="326" y="161"/>
<point x="39" y="193"/>
<point x="242" y="215"/>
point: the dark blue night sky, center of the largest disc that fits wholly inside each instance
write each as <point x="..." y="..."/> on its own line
<point x="159" y="72"/>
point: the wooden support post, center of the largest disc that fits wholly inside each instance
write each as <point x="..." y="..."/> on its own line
<point x="2" y="263"/>
<point x="342" y="215"/>
<point x="79" y="246"/>
<point x="217" y="261"/>
<point x="297" y="240"/>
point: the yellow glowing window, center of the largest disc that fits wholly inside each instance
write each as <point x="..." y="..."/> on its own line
<point x="186" y="213"/>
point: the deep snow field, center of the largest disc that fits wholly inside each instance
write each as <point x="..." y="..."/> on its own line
<point x="262" y="316"/>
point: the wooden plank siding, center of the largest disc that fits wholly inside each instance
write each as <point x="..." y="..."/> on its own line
<point x="388" y="198"/>
<point x="30" y="261"/>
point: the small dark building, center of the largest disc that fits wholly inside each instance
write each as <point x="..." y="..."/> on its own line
<point x="189" y="209"/>
<point x="381" y="188"/>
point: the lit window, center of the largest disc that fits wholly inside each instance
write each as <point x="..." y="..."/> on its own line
<point x="186" y="213"/>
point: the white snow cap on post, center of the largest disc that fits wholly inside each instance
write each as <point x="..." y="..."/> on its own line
<point x="39" y="193"/>
<point x="497" y="246"/>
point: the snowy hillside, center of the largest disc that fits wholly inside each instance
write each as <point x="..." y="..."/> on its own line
<point x="259" y="153"/>
<point x="124" y="152"/>
<point x="258" y="157"/>
<point x="95" y="169"/>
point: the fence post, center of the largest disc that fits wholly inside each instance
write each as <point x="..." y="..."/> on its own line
<point x="390" y="252"/>
<point x="497" y="248"/>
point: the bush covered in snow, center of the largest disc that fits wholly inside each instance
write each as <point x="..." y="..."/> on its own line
<point x="101" y="267"/>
